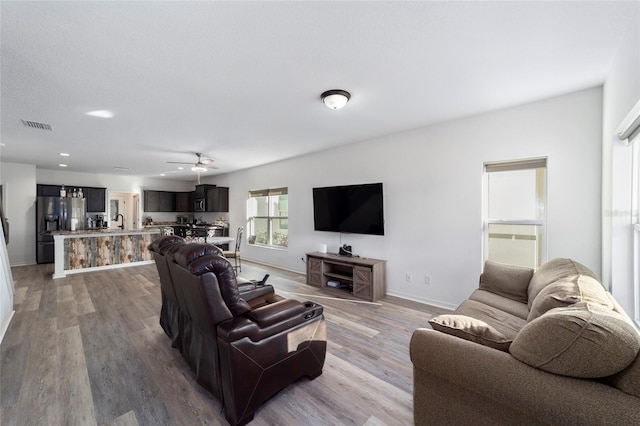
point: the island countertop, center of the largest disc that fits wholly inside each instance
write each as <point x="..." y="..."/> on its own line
<point x="87" y="250"/>
<point x="108" y="231"/>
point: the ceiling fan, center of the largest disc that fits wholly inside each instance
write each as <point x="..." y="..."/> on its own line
<point x="200" y="166"/>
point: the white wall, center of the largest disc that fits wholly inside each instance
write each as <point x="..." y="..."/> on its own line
<point x="19" y="182"/>
<point x="433" y="193"/>
<point x="621" y="92"/>
<point x="7" y="289"/>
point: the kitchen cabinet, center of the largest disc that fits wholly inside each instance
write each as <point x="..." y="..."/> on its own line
<point x="48" y="190"/>
<point x="167" y="201"/>
<point x="201" y="190"/>
<point x="184" y="201"/>
<point x="213" y="198"/>
<point x="218" y="199"/>
<point x="159" y="201"/>
<point x="95" y="197"/>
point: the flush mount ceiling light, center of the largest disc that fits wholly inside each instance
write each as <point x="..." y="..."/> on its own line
<point x="101" y="113"/>
<point x="335" y="99"/>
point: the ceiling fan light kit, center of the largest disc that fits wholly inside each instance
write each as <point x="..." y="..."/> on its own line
<point x="335" y="98"/>
<point x="200" y="166"/>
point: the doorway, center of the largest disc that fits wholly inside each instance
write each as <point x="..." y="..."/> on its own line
<point x="126" y="204"/>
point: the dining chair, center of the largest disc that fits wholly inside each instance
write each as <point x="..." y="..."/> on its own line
<point x="235" y="254"/>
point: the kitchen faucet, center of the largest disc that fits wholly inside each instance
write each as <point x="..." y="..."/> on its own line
<point x="120" y="215"/>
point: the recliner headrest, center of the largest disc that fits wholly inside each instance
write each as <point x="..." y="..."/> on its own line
<point x="192" y="251"/>
<point x="226" y="277"/>
<point x="159" y="243"/>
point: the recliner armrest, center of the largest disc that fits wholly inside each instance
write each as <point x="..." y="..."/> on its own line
<point x="276" y="312"/>
<point x="241" y="327"/>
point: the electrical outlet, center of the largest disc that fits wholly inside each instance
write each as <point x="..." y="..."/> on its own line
<point x="408" y="277"/>
<point x="427" y="279"/>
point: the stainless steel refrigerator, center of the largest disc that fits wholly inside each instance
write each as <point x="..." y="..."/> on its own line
<point x="56" y="214"/>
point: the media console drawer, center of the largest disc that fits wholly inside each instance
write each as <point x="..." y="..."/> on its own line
<point x="362" y="277"/>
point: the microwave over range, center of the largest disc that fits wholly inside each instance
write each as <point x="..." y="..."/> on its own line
<point x="211" y="198"/>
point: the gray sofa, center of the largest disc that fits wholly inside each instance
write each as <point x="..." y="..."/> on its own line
<point x="544" y="347"/>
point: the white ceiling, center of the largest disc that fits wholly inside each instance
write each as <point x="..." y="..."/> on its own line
<point x="241" y="81"/>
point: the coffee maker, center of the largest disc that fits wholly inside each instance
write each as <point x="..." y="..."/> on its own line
<point x="100" y="223"/>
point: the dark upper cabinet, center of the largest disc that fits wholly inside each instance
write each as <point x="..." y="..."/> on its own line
<point x="218" y="199"/>
<point x="151" y="201"/>
<point x="184" y="201"/>
<point x="95" y="197"/>
<point x="48" y="190"/>
<point x="159" y="201"/>
<point x="167" y="201"/>
<point x="201" y="191"/>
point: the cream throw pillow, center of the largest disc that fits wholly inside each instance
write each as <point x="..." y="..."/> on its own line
<point x="471" y="329"/>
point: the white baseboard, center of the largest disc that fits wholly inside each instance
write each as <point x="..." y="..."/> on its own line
<point x="258" y="262"/>
<point x="5" y="325"/>
<point x="425" y="300"/>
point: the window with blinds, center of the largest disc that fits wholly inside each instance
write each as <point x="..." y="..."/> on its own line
<point x="514" y="225"/>
<point x="267" y="217"/>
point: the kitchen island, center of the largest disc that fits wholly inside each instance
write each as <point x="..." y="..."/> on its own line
<point x="93" y="250"/>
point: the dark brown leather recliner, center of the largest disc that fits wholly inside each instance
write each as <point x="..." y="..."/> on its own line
<point x="175" y="319"/>
<point x="170" y="311"/>
<point x="243" y="346"/>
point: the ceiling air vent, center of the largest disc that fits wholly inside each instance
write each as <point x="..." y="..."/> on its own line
<point x="36" y="125"/>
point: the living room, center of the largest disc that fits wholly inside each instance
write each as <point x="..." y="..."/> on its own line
<point x="432" y="175"/>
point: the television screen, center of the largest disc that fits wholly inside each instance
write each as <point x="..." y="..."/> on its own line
<point x="356" y="209"/>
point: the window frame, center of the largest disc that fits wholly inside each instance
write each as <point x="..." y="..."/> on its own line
<point x="635" y="229"/>
<point x="270" y="217"/>
<point x="508" y="166"/>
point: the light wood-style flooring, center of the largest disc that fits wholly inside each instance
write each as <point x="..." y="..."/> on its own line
<point x="88" y="350"/>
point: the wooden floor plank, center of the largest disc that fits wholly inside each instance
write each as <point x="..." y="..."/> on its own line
<point x="88" y="350"/>
<point x="75" y="402"/>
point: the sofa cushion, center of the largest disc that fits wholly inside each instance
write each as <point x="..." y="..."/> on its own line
<point x="519" y="309"/>
<point x="507" y="324"/>
<point x="506" y="280"/>
<point x="585" y="340"/>
<point x="628" y="380"/>
<point x="568" y="291"/>
<point x="471" y="329"/>
<point x="553" y="271"/>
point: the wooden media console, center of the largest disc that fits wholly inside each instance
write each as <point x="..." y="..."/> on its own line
<point x="363" y="277"/>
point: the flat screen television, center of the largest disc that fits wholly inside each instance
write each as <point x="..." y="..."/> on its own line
<point x="356" y="209"/>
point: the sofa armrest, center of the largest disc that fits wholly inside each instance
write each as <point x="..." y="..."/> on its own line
<point x="498" y="378"/>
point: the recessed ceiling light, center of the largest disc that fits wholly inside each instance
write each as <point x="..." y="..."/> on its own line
<point x="101" y="113"/>
<point x="62" y="165"/>
<point x="121" y="168"/>
<point x="162" y="174"/>
<point x="64" y="154"/>
<point x="180" y="168"/>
